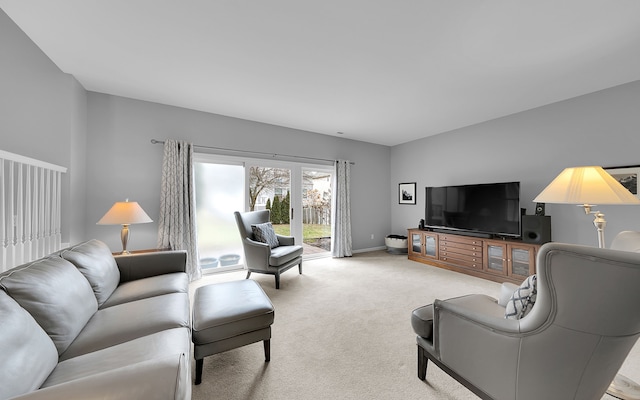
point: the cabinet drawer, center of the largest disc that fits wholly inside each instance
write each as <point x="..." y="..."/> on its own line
<point x="462" y="260"/>
<point x="471" y="252"/>
<point x="446" y="245"/>
<point x="461" y="239"/>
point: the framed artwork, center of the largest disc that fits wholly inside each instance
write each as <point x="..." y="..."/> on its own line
<point x="627" y="176"/>
<point x="407" y="193"/>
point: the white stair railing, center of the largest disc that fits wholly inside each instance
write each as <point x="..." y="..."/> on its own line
<point x="30" y="209"/>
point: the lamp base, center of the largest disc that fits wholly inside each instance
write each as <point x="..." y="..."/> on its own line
<point x="124" y="236"/>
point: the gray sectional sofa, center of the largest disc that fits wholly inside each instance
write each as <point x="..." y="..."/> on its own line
<point x="82" y="324"/>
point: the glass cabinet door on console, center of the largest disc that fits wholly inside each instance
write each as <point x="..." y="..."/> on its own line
<point x="430" y="244"/>
<point x="496" y="258"/>
<point x="509" y="259"/>
<point x="415" y="244"/>
<point x="423" y="244"/>
<point x="521" y="260"/>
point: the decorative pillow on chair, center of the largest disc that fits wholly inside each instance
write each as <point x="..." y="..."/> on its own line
<point x="264" y="233"/>
<point x="523" y="299"/>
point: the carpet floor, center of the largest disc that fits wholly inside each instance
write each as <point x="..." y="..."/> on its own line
<point x="342" y="330"/>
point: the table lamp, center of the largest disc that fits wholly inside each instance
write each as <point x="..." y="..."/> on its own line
<point x="586" y="187"/>
<point x="125" y="213"/>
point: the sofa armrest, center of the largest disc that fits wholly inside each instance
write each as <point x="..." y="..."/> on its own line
<point x="479" y="310"/>
<point x="164" y="378"/>
<point x="286" y="240"/>
<point x="144" y="265"/>
<point x="256" y="254"/>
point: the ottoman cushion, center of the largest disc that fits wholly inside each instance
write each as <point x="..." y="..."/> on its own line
<point x="229" y="309"/>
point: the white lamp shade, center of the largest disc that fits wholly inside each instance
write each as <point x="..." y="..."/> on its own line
<point x="586" y="185"/>
<point x="125" y="213"/>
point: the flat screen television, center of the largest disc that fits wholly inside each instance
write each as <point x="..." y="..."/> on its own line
<point x="490" y="209"/>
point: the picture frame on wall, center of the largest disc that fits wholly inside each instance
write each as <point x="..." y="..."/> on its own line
<point x="627" y="176"/>
<point x="407" y="193"/>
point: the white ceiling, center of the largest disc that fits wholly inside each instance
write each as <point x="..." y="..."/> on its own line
<point x="381" y="71"/>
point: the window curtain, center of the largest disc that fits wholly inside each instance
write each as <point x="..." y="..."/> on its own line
<point x="177" y="222"/>
<point x="341" y="210"/>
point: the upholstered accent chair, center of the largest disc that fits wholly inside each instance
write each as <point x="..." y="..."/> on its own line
<point x="570" y="345"/>
<point x="266" y="253"/>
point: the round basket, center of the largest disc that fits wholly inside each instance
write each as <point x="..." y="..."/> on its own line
<point x="396" y="244"/>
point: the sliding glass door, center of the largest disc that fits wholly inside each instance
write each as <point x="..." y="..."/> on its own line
<point x="298" y="196"/>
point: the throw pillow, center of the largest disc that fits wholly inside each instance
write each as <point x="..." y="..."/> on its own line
<point x="264" y="233"/>
<point x="523" y="299"/>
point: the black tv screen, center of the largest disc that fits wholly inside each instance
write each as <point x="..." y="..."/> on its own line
<point x="483" y="209"/>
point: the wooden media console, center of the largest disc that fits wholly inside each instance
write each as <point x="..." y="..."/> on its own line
<point x="499" y="260"/>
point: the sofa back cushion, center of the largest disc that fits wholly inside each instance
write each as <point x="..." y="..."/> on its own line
<point x="28" y="354"/>
<point x="95" y="261"/>
<point x="56" y="295"/>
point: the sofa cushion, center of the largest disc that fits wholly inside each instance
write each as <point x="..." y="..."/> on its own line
<point x="156" y="345"/>
<point x="283" y="254"/>
<point x="523" y="299"/>
<point x="161" y="378"/>
<point x="506" y="291"/>
<point x="56" y="295"/>
<point x="28" y="354"/>
<point x="264" y="233"/>
<point x="118" y="324"/>
<point x="95" y="261"/>
<point x="148" y="287"/>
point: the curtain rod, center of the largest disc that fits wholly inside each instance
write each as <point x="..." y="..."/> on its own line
<point x="273" y="155"/>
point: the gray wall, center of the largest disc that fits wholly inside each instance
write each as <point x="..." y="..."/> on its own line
<point x="122" y="163"/>
<point x="43" y="116"/>
<point x="532" y="147"/>
<point x="104" y="141"/>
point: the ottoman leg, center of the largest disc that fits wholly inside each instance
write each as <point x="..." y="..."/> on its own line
<point x="199" y="364"/>
<point x="267" y="350"/>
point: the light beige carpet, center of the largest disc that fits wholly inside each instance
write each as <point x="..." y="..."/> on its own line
<point x="342" y="331"/>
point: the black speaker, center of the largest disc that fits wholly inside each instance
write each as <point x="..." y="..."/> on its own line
<point x="539" y="208"/>
<point x="536" y="229"/>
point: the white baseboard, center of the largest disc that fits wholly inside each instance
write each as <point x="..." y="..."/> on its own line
<point x="369" y="249"/>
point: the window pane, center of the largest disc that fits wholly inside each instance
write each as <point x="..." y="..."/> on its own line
<point x="270" y="188"/>
<point x="316" y="211"/>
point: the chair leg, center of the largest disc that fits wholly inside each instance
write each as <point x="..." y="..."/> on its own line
<point x="300" y="267"/>
<point x="277" y="281"/>
<point x="422" y="364"/>
<point x="267" y="350"/>
<point x="199" y="364"/>
<point x="248" y="274"/>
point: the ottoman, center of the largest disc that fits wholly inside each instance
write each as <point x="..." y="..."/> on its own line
<point x="229" y="315"/>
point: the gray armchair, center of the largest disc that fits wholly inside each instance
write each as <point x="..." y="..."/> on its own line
<point x="260" y="257"/>
<point x="570" y="345"/>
